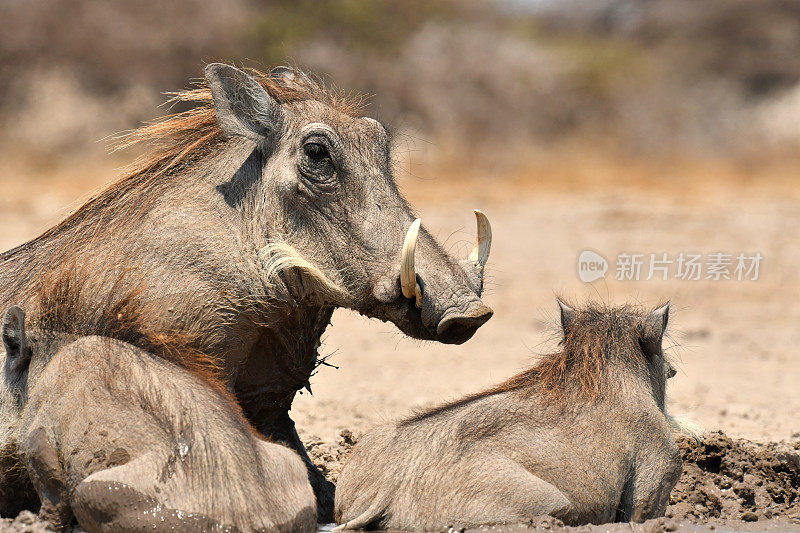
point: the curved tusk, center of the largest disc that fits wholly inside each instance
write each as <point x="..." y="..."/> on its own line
<point x="483" y="242"/>
<point x="408" y="274"/>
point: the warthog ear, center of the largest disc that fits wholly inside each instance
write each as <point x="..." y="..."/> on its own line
<point x="568" y="316"/>
<point x="14" y="339"/>
<point x="242" y="105"/>
<point x="654" y="326"/>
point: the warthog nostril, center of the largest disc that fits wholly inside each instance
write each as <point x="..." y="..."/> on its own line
<point x="458" y="327"/>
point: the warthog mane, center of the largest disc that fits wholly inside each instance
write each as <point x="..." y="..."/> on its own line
<point x="180" y="137"/>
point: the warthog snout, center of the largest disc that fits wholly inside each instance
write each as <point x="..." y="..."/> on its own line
<point x="457" y="326"/>
<point x="442" y="295"/>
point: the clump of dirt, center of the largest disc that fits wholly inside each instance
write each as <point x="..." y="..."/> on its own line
<point x="330" y="457"/>
<point x="25" y="522"/>
<point x="734" y="479"/>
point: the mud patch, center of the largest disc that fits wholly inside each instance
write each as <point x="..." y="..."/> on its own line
<point x="775" y="525"/>
<point x="734" y="479"/>
<point x="26" y="522"/>
<point x="330" y="457"/>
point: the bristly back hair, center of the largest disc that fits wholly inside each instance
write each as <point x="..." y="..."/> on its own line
<point x="180" y="137"/>
<point x="60" y="305"/>
<point x="597" y="331"/>
<point x="578" y="369"/>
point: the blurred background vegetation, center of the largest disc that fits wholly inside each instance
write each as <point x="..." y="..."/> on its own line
<point x="496" y="82"/>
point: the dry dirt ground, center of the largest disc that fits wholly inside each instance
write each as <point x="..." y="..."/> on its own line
<point x="733" y="341"/>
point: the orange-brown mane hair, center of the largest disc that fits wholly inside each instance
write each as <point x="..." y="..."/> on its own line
<point x="578" y="369"/>
<point x="178" y="137"/>
<point x="59" y="307"/>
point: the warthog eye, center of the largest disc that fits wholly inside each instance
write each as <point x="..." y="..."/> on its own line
<point x="316" y="151"/>
<point x="316" y="163"/>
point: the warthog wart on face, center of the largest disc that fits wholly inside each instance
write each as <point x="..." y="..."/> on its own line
<point x="328" y="196"/>
<point x="122" y="440"/>
<point x="582" y="436"/>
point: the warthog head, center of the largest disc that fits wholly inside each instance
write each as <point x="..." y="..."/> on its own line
<point x="319" y="189"/>
<point x="625" y="337"/>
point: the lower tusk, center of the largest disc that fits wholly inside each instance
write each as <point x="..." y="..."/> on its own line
<point x="408" y="274"/>
<point x="483" y="242"/>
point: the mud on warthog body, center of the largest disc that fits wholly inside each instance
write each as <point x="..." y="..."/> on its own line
<point x="122" y="440"/>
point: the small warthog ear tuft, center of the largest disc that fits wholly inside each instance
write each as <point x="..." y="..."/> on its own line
<point x="242" y="105"/>
<point x="568" y="316"/>
<point x="655" y="324"/>
<point x="13" y="332"/>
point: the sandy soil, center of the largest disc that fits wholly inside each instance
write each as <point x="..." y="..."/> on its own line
<point x="733" y="341"/>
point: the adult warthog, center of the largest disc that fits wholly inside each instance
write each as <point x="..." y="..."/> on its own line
<point x="123" y="440"/>
<point x="582" y="436"/>
<point x="257" y="213"/>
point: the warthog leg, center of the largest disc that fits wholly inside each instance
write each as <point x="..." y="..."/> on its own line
<point x="513" y="494"/>
<point x="284" y="431"/>
<point x="49" y="478"/>
<point x="502" y="492"/>
<point x="647" y="493"/>
<point x="106" y="505"/>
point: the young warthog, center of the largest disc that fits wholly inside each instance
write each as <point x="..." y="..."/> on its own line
<point x="126" y="441"/>
<point x="582" y="436"/>
<point x="260" y="210"/>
